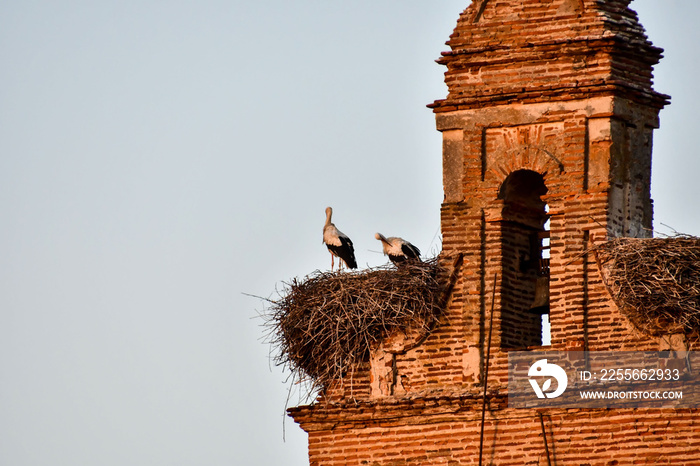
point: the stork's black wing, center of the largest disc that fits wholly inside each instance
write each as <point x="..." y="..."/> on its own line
<point x="345" y="251"/>
<point x="410" y="251"/>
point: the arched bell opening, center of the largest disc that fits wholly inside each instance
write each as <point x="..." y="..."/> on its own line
<point x="525" y="260"/>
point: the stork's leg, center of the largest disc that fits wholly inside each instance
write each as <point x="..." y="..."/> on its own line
<point x="332" y="259"/>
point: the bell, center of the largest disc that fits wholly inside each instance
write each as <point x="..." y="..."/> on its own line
<point x="540" y="305"/>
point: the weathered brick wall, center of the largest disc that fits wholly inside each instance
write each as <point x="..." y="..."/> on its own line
<point x="562" y="89"/>
<point x="530" y="50"/>
<point x="446" y="431"/>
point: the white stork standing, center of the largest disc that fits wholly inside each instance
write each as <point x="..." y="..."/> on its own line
<point x="338" y="243"/>
<point x="398" y="249"/>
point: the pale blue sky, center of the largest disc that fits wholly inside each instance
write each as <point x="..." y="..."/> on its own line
<point x="160" y="159"/>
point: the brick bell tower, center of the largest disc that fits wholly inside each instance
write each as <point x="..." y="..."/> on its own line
<point x="547" y="141"/>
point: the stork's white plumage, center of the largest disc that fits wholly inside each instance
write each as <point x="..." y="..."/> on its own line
<point x="338" y="243"/>
<point x="398" y="249"/>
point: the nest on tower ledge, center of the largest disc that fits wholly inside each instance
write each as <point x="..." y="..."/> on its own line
<point x="655" y="282"/>
<point x="327" y="323"/>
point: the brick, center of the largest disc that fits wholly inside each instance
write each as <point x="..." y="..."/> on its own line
<point x="561" y="89"/>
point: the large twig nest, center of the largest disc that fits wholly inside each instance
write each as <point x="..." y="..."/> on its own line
<point x="328" y="322"/>
<point x="655" y="282"/>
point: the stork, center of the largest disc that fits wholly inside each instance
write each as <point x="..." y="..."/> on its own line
<point x="398" y="249"/>
<point x="338" y="243"/>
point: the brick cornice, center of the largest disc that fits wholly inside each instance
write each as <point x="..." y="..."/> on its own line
<point x="395" y="411"/>
<point x="550" y="94"/>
